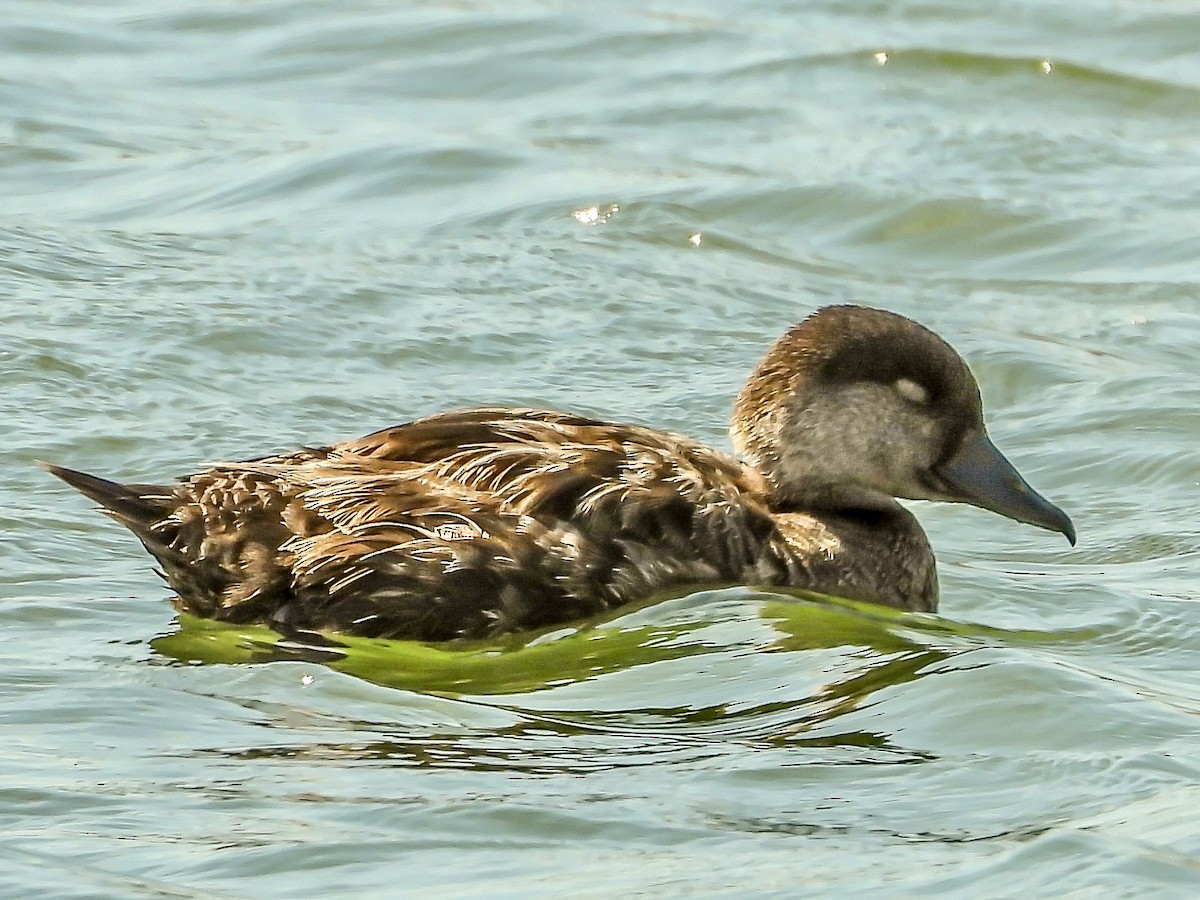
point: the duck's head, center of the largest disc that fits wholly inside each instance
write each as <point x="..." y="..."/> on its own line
<point x="855" y="406"/>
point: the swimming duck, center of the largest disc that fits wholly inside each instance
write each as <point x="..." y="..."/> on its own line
<point x="484" y="521"/>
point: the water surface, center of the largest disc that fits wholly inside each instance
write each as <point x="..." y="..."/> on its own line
<point x="233" y="228"/>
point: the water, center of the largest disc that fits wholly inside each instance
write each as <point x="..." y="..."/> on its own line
<point x="233" y="228"/>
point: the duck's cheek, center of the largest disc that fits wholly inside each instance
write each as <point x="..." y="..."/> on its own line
<point x="898" y="463"/>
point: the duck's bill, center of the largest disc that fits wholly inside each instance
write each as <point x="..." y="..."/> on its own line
<point x="979" y="474"/>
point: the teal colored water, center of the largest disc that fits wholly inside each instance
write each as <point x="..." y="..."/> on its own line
<point x="230" y="228"/>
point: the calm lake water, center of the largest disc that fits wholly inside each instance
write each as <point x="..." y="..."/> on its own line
<point x="230" y="228"/>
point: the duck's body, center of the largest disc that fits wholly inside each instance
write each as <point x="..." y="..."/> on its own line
<point x="479" y="522"/>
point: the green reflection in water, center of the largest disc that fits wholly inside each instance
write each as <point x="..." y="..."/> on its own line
<point x="905" y="645"/>
<point x="856" y="649"/>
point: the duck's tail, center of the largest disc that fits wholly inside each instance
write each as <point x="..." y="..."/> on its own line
<point x="146" y="510"/>
<point x="136" y="506"/>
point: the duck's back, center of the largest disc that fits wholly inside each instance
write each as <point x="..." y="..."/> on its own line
<point x="458" y="525"/>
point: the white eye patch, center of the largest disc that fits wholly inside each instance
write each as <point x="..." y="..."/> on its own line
<point x="911" y="391"/>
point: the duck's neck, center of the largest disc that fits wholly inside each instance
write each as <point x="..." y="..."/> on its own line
<point x="807" y="488"/>
<point x="817" y="496"/>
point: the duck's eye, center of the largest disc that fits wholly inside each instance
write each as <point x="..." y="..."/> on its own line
<point x="911" y="391"/>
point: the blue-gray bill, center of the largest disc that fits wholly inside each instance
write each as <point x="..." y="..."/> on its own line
<point x="980" y="474"/>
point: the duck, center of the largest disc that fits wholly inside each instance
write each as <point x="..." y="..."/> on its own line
<point x="474" y="523"/>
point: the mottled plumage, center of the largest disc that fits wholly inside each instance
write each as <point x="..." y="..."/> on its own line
<point x="485" y="521"/>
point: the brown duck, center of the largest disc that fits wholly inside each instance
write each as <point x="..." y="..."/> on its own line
<point x="484" y="521"/>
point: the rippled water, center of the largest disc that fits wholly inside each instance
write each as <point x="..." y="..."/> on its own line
<point x="236" y="227"/>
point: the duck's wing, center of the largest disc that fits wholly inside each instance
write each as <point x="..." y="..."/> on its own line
<point x="410" y="554"/>
<point x="612" y="479"/>
<point x="498" y="520"/>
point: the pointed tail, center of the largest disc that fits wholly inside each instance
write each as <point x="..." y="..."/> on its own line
<point x="137" y="507"/>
